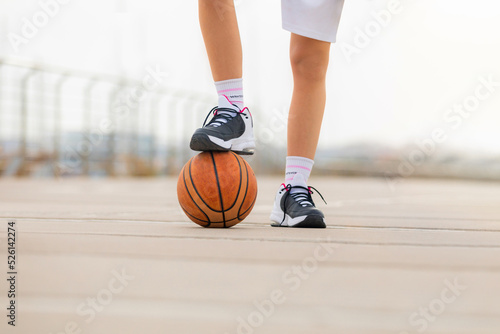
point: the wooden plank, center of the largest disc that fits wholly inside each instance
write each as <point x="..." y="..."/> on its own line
<point x="388" y="253"/>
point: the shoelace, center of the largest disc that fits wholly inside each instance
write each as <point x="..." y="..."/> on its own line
<point x="221" y="118"/>
<point x="304" y="199"/>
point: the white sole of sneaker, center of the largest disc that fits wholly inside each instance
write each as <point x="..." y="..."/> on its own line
<point x="222" y="143"/>
<point x="302" y="221"/>
<point x="236" y="145"/>
<point x="247" y="146"/>
<point x="207" y="143"/>
<point x="288" y="221"/>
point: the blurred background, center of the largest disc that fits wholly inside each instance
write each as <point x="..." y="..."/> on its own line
<point x="116" y="87"/>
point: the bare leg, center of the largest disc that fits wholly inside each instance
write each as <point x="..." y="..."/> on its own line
<point x="309" y="59"/>
<point x="222" y="38"/>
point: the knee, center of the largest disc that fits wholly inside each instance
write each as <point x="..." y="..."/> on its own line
<point x="309" y="64"/>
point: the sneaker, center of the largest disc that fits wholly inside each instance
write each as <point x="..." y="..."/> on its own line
<point x="230" y="129"/>
<point x="294" y="207"/>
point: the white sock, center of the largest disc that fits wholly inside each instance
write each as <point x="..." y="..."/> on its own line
<point x="233" y="90"/>
<point x="297" y="172"/>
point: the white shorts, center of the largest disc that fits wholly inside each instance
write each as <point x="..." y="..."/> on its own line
<point x="318" y="19"/>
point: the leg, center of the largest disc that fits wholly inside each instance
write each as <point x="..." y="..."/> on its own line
<point x="222" y="38"/>
<point x="314" y="28"/>
<point x="309" y="60"/>
<point x="293" y="205"/>
<point x="231" y="127"/>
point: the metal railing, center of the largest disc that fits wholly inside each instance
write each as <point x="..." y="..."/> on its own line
<point x="59" y="122"/>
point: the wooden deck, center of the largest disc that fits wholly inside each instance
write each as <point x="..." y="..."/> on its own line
<point x="118" y="256"/>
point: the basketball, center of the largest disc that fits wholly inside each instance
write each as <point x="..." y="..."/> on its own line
<point x="217" y="189"/>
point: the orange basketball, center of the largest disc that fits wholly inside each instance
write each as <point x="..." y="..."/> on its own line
<point x="217" y="189"/>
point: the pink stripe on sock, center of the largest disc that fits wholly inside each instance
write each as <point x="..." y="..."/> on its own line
<point x="229" y="90"/>
<point x="295" y="166"/>
<point x="289" y="179"/>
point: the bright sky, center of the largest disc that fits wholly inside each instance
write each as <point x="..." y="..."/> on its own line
<point x="394" y="87"/>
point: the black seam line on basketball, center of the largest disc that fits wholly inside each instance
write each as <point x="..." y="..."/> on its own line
<point x="239" y="187"/>
<point x="196" y="189"/>
<point x="214" y="222"/>
<point x="246" y="189"/>
<point x="251" y="205"/>
<point x="218" y="222"/>
<point x="203" y="221"/>
<point x="187" y="190"/>
<point x="218" y="188"/>
<point x="192" y="199"/>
